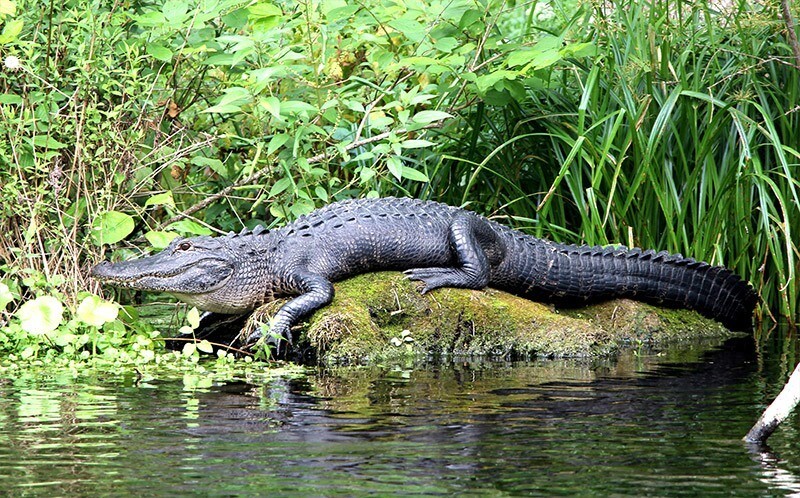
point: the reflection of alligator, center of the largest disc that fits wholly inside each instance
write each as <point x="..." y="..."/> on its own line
<point x="441" y="246"/>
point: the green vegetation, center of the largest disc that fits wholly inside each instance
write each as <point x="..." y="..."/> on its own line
<point x="663" y="124"/>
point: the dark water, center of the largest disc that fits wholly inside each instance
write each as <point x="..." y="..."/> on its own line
<point x="634" y="425"/>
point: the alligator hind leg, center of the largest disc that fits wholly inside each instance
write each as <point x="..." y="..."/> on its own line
<point x="470" y="237"/>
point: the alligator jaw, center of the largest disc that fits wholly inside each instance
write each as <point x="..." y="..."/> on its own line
<point x="161" y="273"/>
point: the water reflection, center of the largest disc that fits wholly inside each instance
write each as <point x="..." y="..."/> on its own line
<point x="772" y="472"/>
<point x="638" y="424"/>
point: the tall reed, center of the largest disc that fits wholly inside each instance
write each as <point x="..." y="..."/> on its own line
<point x="683" y="134"/>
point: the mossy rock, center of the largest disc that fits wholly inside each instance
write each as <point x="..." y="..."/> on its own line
<point x="367" y="319"/>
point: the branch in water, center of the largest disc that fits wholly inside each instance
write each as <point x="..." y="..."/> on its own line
<point x="777" y="411"/>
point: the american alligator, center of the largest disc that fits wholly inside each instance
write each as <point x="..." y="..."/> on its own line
<point x="439" y="245"/>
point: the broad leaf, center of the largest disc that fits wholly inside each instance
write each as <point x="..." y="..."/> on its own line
<point x="425" y="117"/>
<point x="96" y="311"/>
<point x="41" y="315"/>
<point x="111" y="227"/>
<point x="159" y="52"/>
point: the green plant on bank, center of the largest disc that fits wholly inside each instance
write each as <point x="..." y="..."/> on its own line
<point x="681" y="134"/>
<point x="663" y="124"/>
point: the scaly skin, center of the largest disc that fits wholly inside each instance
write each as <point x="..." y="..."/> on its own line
<point x="440" y="245"/>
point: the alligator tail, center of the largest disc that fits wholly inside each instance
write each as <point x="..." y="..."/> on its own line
<point x="595" y="273"/>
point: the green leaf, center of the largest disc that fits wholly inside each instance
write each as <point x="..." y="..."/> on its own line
<point x="189" y="226"/>
<point x="6" y="296"/>
<point x="159" y="239"/>
<point x="41" y="315"/>
<point x="587" y="49"/>
<point x="223" y="109"/>
<point x="11" y="31"/>
<point x="272" y="105"/>
<point x="290" y="107"/>
<point x="395" y="166"/>
<point x="96" y="311"/>
<point x="280" y="186"/>
<point x="412" y="30"/>
<point x="175" y="11"/>
<point x="7" y="8"/>
<point x="232" y="101"/>
<point x="521" y="57"/>
<point x="193" y="317"/>
<point x="159" y="52"/>
<point x="111" y="227"/>
<point x="10" y="98"/>
<point x="425" y="117"/>
<point x="264" y="16"/>
<point x="488" y="81"/>
<point x="341" y="12"/>
<point x="546" y="59"/>
<point x="164" y="198"/>
<point x="321" y="193"/>
<point x="277" y="142"/>
<point x="415" y="144"/>
<point x="205" y="346"/>
<point x="47" y="142"/>
<point x="415" y="175"/>
<point x="216" y="165"/>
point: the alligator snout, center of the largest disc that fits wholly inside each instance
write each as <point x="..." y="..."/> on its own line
<point x="97" y="271"/>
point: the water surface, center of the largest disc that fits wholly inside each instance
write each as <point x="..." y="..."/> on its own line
<point x="639" y="424"/>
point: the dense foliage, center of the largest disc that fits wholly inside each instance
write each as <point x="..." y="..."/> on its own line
<point x="662" y="124"/>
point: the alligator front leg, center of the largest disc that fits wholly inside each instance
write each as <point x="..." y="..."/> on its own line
<point x="316" y="291"/>
<point x="469" y="239"/>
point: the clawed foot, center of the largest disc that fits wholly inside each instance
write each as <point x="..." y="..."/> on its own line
<point x="273" y="336"/>
<point x="433" y="278"/>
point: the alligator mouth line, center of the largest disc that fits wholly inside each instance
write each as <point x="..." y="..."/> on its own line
<point x="132" y="279"/>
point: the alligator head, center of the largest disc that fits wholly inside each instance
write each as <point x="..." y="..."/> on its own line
<point x="196" y="270"/>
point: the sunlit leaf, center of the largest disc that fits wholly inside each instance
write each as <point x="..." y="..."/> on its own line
<point x="111" y="227"/>
<point x="272" y="105"/>
<point x="425" y="117"/>
<point x="189" y="226"/>
<point x="193" y="317"/>
<point x="47" y="142"/>
<point x="395" y="166"/>
<point x="205" y="346"/>
<point x="159" y="52"/>
<point x="41" y="315"/>
<point x="413" y="174"/>
<point x="159" y="239"/>
<point x="415" y="144"/>
<point x="6" y="296"/>
<point x="96" y="311"/>
<point x="7" y="8"/>
<point x="11" y="30"/>
<point x="164" y="198"/>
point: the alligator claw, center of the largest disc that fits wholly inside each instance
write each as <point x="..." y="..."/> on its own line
<point x="433" y="278"/>
<point x="274" y="337"/>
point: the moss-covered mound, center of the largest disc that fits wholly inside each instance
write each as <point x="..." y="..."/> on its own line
<point x="382" y="315"/>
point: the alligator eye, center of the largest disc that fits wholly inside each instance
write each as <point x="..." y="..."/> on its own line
<point x="185" y="246"/>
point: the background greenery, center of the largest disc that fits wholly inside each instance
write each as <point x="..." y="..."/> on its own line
<point x="660" y="124"/>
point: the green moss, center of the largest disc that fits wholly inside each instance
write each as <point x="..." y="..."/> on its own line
<point x="366" y="320"/>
